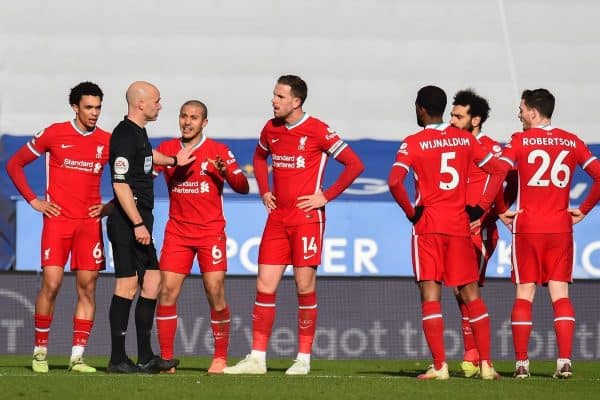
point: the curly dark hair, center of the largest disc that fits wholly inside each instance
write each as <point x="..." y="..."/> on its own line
<point x="478" y="106"/>
<point x="84" y="89"/>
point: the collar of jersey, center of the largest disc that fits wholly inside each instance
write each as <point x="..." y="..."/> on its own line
<point x="304" y="118"/>
<point x="197" y="144"/>
<point x="439" y="127"/>
<point x="545" y="127"/>
<point x="82" y="133"/>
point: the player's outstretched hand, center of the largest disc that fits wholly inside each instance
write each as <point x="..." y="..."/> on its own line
<point x="219" y="165"/>
<point x="508" y="217"/>
<point x="576" y="215"/>
<point x="312" y="201"/>
<point x="185" y="156"/>
<point x="49" y="209"/>
<point x="269" y="201"/>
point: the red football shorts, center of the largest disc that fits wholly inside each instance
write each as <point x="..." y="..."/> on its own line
<point x="542" y="257"/>
<point x="82" y="238"/>
<point x="178" y="252"/>
<point x="284" y="244"/>
<point x="444" y="258"/>
<point x="485" y="243"/>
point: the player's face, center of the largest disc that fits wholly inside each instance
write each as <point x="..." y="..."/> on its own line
<point x="152" y="104"/>
<point x="284" y="103"/>
<point x="191" y="122"/>
<point x="460" y="118"/>
<point x="87" y="112"/>
<point x="526" y="115"/>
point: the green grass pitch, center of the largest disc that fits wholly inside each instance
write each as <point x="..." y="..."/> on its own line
<point x="341" y="379"/>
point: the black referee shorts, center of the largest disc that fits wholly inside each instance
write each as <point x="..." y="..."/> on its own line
<point x="130" y="257"/>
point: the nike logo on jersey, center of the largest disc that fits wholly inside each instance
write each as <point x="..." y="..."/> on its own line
<point x="217" y="261"/>
<point x="66" y="146"/>
<point x="274" y="140"/>
<point x="310" y="256"/>
<point x="98" y="261"/>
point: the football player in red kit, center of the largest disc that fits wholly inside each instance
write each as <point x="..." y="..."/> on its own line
<point x="196" y="228"/>
<point x="542" y="224"/>
<point x="441" y="157"/>
<point x="299" y="146"/>
<point x="76" y="152"/>
<point x="469" y="112"/>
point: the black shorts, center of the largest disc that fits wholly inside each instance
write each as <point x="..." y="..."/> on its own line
<point x="130" y="257"/>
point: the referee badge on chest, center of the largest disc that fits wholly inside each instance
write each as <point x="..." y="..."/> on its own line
<point x="147" y="164"/>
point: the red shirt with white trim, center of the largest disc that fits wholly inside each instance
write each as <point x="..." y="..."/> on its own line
<point x="196" y="190"/>
<point x="441" y="157"/>
<point x="299" y="154"/>
<point x="545" y="158"/>
<point x="75" y="160"/>
<point x="478" y="180"/>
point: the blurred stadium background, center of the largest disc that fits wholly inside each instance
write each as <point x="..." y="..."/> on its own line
<point x="364" y="62"/>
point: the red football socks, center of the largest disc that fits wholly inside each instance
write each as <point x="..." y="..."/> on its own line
<point x="166" y="327"/>
<point x="263" y="317"/>
<point x="564" y="326"/>
<point x="81" y="331"/>
<point x="307" y="321"/>
<point x="42" y="329"/>
<point x="220" y="322"/>
<point x="480" y="324"/>
<point x="433" y="327"/>
<point x="521" y="327"/>
<point x="471" y="352"/>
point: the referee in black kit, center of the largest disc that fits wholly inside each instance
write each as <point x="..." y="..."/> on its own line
<point x="130" y="230"/>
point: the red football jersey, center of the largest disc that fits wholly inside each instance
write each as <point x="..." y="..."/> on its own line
<point x="74" y="164"/>
<point x="441" y="157"/>
<point x="546" y="158"/>
<point x="478" y="180"/>
<point x="195" y="190"/>
<point x="298" y="156"/>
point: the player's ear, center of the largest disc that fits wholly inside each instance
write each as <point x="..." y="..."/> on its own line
<point x="476" y="122"/>
<point x="75" y="108"/>
<point x="296" y="102"/>
<point x="204" y="123"/>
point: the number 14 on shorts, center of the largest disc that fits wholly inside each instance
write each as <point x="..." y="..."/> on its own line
<point x="309" y="245"/>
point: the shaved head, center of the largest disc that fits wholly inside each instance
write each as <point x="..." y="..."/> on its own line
<point x="143" y="102"/>
<point x="138" y="91"/>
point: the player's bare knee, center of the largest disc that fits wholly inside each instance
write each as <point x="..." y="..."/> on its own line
<point x="50" y="288"/>
<point x="168" y="294"/>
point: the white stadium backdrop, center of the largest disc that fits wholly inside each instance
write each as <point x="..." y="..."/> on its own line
<point x="363" y="60"/>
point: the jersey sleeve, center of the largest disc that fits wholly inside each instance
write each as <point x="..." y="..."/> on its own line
<point x="493" y="166"/>
<point x="404" y="155"/>
<point x="263" y="140"/>
<point x="584" y="155"/>
<point x="591" y="165"/>
<point x="159" y="169"/>
<point x="41" y="142"/>
<point x="122" y="156"/>
<point x="233" y="173"/>
<point x="259" y="162"/>
<point x="510" y="151"/>
<point x="331" y="142"/>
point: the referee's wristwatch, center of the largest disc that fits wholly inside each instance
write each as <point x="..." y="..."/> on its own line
<point x="138" y="224"/>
